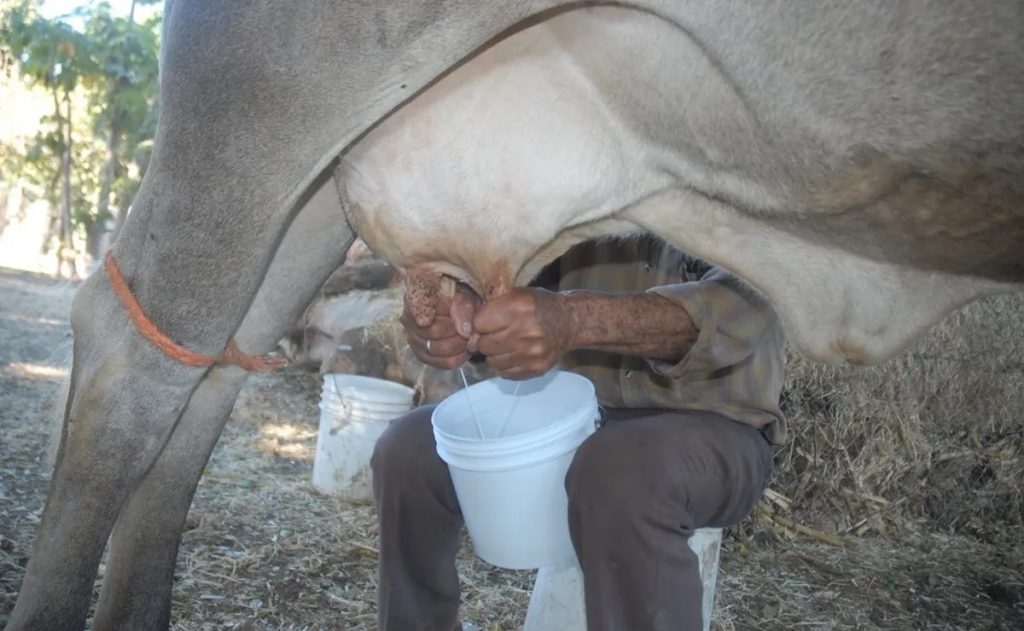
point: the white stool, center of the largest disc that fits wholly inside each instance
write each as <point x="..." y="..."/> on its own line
<point x="556" y="603"/>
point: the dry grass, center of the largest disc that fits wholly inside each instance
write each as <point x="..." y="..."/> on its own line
<point x="935" y="434"/>
<point x="923" y="581"/>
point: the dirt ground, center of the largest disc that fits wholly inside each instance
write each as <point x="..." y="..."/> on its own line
<point x="263" y="551"/>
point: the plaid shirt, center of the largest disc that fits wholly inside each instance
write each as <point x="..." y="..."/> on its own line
<point x="735" y="368"/>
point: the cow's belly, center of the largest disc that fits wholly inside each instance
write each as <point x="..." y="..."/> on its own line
<point x="861" y="219"/>
<point x="574" y="119"/>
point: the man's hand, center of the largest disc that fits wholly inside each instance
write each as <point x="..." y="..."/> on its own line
<point x="524" y="332"/>
<point x="448" y="335"/>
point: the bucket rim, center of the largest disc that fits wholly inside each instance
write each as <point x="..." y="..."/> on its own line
<point x="590" y="409"/>
<point x="565" y="425"/>
<point x="362" y="405"/>
<point x="357" y="382"/>
<point x="341" y="414"/>
<point x="512" y="459"/>
<point x="354" y="395"/>
<point x="553" y="454"/>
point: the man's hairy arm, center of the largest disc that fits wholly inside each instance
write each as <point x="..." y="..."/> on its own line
<point x="643" y="324"/>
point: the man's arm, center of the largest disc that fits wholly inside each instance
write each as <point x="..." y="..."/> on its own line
<point x="734" y="321"/>
<point x="642" y="325"/>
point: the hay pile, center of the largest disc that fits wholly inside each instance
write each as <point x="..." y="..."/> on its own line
<point x="934" y="436"/>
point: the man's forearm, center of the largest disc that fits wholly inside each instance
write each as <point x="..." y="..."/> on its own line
<point x="643" y="324"/>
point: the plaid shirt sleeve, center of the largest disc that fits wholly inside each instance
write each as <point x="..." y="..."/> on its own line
<point x="733" y="321"/>
<point x="735" y="368"/>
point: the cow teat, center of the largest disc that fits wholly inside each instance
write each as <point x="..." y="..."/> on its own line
<point x="425" y="284"/>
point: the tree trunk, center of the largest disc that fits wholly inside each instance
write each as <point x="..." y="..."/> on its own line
<point x="101" y="224"/>
<point x="122" y="214"/>
<point x="111" y="167"/>
<point x="65" y="249"/>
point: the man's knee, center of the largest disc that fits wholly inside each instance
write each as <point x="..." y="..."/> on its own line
<point x="402" y="447"/>
<point x="608" y="470"/>
<point x="702" y="470"/>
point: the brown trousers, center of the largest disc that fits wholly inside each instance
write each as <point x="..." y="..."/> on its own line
<point x="638" y="488"/>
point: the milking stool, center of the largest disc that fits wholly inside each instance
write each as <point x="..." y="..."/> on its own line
<point x="557" y="598"/>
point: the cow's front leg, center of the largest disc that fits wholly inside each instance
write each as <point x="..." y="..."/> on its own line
<point x="256" y="97"/>
<point x="137" y="583"/>
<point x="194" y="253"/>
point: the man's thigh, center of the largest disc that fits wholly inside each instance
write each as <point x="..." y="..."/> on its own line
<point x="709" y="469"/>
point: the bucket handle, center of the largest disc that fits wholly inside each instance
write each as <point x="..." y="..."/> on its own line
<point x="346" y="414"/>
<point x="346" y="407"/>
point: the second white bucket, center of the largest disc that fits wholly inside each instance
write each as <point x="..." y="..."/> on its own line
<point x="508" y="445"/>
<point x="354" y="412"/>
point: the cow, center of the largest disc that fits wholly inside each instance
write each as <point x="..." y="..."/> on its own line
<point x="861" y="164"/>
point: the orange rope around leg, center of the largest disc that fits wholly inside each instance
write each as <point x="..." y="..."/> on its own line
<point x="177" y="352"/>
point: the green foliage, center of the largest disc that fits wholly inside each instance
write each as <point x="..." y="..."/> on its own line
<point x="103" y="82"/>
<point x="50" y="52"/>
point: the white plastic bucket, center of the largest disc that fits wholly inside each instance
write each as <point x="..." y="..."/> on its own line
<point x="511" y="487"/>
<point x="557" y="598"/>
<point x="354" y="412"/>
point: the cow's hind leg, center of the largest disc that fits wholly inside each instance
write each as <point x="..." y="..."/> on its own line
<point x="137" y="584"/>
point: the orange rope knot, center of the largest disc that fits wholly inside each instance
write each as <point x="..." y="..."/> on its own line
<point x="230" y="355"/>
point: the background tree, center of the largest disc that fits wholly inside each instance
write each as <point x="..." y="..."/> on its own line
<point x="92" y="147"/>
<point x="125" y="111"/>
<point x="55" y="56"/>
